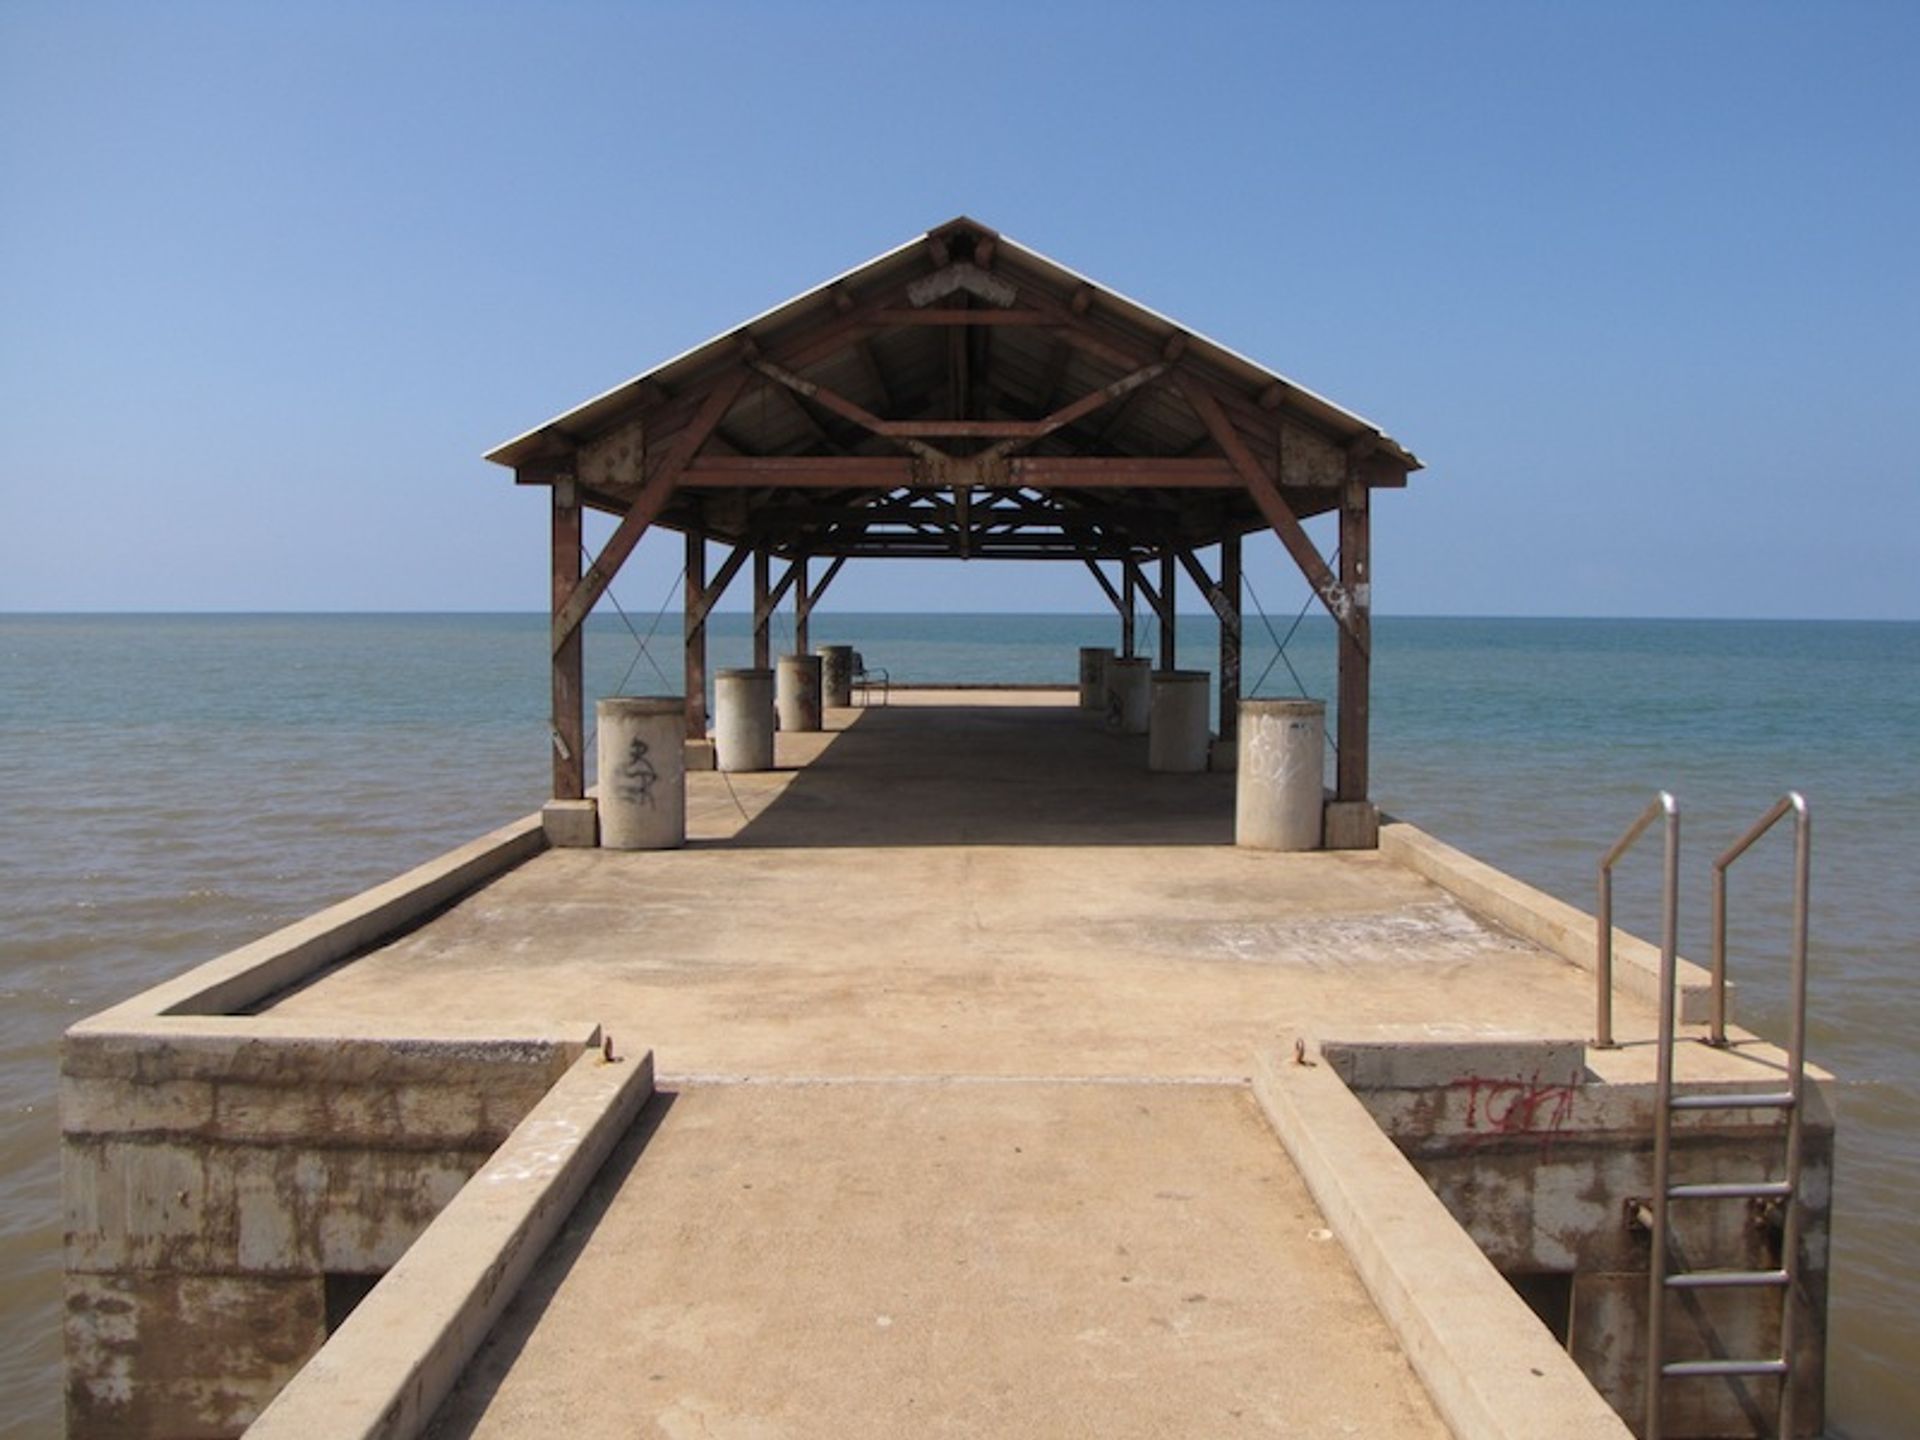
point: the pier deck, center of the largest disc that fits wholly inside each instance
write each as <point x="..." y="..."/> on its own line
<point x="983" y="888"/>
<point x="953" y="1017"/>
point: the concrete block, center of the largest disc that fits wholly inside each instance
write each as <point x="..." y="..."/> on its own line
<point x="402" y="1350"/>
<point x="98" y="1106"/>
<point x="155" y="1354"/>
<point x="1223" y="756"/>
<point x="1492" y="1369"/>
<point x="147" y="1204"/>
<point x="1351" y="825"/>
<point x="700" y="755"/>
<point x="571" y="824"/>
<point x="1390" y="1063"/>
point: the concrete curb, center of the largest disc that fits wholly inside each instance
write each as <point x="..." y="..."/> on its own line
<point x="243" y="977"/>
<point x="1491" y="1368"/>
<point x="386" y="1370"/>
<point x="1537" y="916"/>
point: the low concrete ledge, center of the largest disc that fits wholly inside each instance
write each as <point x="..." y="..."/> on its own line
<point x="248" y="975"/>
<point x="1491" y="1367"/>
<point x="1539" y="917"/>
<point x="386" y="1370"/>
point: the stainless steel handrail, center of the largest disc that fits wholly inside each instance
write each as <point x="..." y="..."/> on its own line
<point x="1792" y="1101"/>
<point x="1795" y="803"/>
<point x="1661" y="804"/>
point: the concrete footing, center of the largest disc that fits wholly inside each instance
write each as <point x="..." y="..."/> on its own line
<point x="743" y="720"/>
<point x="1094" y="660"/>
<point x="1177" y="736"/>
<point x="836" y="675"/>
<point x="1351" y="825"/>
<point x="571" y="824"/>
<point x="643" y="772"/>
<point x="1279" y="791"/>
<point x="796" y="692"/>
<point x="1129" y="695"/>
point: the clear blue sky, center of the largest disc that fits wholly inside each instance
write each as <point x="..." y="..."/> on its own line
<point x="1636" y="280"/>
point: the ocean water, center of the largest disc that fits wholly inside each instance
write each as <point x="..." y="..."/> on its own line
<point x="174" y="785"/>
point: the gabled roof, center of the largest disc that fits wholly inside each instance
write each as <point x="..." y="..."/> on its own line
<point x="961" y="394"/>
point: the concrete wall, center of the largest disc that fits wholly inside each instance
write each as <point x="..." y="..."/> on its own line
<point x="214" y="1181"/>
<point x="1537" y="1155"/>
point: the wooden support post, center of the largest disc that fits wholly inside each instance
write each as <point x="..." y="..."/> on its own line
<point x="802" y="607"/>
<point x="1167" y="648"/>
<point x="1127" y="603"/>
<point x="1356" y="639"/>
<point x="569" y="705"/>
<point x="1230" y="636"/>
<point x="696" y="636"/>
<point x="762" y="621"/>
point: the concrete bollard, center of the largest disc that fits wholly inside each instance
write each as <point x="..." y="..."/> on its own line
<point x="1128" y="695"/>
<point x="743" y="720"/>
<point x="1177" y="735"/>
<point x="796" y="693"/>
<point x="1280" y="786"/>
<point x="643" y="772"/>
<point x="1093" y="678"/>
<point x="836" y="674"/>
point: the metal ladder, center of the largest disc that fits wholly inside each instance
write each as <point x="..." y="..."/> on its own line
<point x="1662" y="1279"/>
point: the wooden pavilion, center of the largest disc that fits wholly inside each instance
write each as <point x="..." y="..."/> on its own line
<point x="963" y="396"/>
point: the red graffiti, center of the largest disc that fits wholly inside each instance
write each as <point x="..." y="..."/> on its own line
<point x="1502" y="1108"/>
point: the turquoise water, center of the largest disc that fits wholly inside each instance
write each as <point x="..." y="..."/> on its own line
<point x="174" y="785"/>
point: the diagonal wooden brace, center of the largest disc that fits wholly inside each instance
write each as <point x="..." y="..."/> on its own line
<point x="1266" y="495"/>
<point x="646" y="508"/>
<point x="1215" y="595"/>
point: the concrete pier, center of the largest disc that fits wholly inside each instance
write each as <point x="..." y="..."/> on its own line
<point x="1129" y="695"/>
<point x="1282" y="762"/>
<point x="978" y="1104"/>
<point x="743" y="720"/>
<point x="1178" y="739"/>
<point x="1093" y="677"/>
<point x="797" y="692"/>
<point x="642" y="763"/>
<point x="836" y="675"/>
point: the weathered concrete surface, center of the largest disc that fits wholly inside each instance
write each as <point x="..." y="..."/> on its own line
<point x="945" y="1258"/>
<point x="387" y="1369"/>
<point x="1493" y="1370"/>
<point x="215" y="1173"/>
<point x="1537" y="1151"/>
<point x="967" y="888"/>
<point x="987" y="889"/>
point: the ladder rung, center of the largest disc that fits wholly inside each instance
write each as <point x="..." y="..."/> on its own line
<point x="1751" y="1100"/>
<point x="1725" y="1279"/>
<point x="1681" y="1369"/>
<point x="1734" y="1190"/>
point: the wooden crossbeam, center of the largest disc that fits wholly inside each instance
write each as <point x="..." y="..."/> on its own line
<point x="887" y="472"/>
<point x="1126" y="385"/>
<point x="1266" y="495"/>
<point x="956" y="316"/>
<point x="652" y="499"/>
